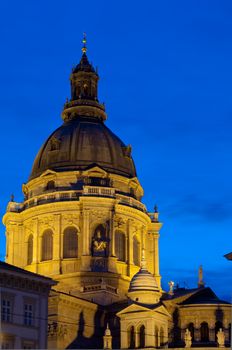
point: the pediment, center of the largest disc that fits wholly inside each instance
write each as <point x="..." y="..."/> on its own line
<point x="133" y="308"/>
<point x="48" y="172"/>
<point x="95" y="171"/>
<point x="162" y="310"/>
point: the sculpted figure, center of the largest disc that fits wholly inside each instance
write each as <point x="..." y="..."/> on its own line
<point x="99" y="244"/>
<point x="188" y="339"/>
<point x="221" y="338"/>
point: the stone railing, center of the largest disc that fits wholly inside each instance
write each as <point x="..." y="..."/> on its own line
<point x="99" y="191"/>
<point x="154" y="217"/>
<point x="73" y="196"/>
<point x="131" y="202"/>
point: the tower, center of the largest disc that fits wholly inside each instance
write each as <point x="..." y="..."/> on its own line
<point x="82" y="221"/>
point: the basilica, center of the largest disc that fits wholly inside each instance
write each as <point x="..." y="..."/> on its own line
<point x="83" y="224"/>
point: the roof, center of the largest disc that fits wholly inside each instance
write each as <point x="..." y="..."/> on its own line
<point x="203" y="296"/>
<point x="143" y="281"/>
<point x="80" y="143"/>
<point x="11" y="269"/>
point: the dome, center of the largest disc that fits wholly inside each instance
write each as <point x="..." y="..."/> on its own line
<point x="143" y="281"/>
<point x="83" y="142"/>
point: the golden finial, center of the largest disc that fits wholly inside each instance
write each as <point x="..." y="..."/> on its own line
<point x="84" y="48"/>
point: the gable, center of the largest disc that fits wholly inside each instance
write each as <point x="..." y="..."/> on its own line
<point x="132" y="309"/>
<point x="203" y="296"/>
<point x="96" y="171"/>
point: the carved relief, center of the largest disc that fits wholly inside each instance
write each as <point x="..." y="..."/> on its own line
<point x="70" y="219"/>
<point x="119" y="222"/>
<point x="98" y="215"/>
<point x="47" y="222"/>
<point x="56" y="329"/>
<point x="54" y="144"/>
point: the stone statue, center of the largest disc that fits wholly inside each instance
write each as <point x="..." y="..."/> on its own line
<point x="221" y="338"/>
<point x="201" y="283"/>
<point x="187" y="338"/>
<point x="171" y="287"/>
<point x="99" y="244"/>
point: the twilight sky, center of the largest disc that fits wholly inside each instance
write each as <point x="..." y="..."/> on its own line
<point x="166" y="73"/>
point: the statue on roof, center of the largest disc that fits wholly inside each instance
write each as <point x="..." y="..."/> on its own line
<point x="187" y="338"/>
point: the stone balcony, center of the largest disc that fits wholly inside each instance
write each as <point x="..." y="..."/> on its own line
<point x="91" y="191"/>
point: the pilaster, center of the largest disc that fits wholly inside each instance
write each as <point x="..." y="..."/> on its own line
<point x="130" y="246"/>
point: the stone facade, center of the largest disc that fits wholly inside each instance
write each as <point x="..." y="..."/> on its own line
<point x="24" y="308"/>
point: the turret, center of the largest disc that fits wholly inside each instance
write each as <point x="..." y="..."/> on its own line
<point x="84" y="91"/>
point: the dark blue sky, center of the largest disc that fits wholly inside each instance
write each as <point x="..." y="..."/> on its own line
<point x="166" y="74"/>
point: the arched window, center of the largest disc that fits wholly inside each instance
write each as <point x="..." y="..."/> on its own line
<point x="136" y="251"/>
<point x="156" y="337"/>
<point x="204" y="331"/>
<point x="218" y="325"/>
<point x="47" y="245"/>
<point x="120" y="245"/>
<point x="191" y="330"/>
<point x="50" y="185"/>
<point x="70" y="243"/>
<point x="161" y="336"/>
<point x="142" y="337"/>
<point x="131" y="338"/>
<point x="30" y="250"/>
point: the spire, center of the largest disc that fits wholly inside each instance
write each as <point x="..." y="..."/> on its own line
<point x="107" y="331"/>
<point x="201" y="283"/>
<point x="107" y="338"/>
<point x="84" y="65"/>
<point x="143" y="260"/>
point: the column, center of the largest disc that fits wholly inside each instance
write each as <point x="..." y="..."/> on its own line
<point x="85" y="234"/>
<point x="129" y="246"/>
<point x="112" y="234"/>
<point x="56" y="237"/>
<point x="156" y="257"/>
<point x="35" y="259"/>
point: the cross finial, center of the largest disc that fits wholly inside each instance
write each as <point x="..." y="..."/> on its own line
<point x="84" y="41"/>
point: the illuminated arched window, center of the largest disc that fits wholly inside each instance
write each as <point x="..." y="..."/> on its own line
<point x="131" y="338"/>
<point x="70" y="243"/>
<point x="47" y="245"/>
<point x="30" y="250"/>
<point x="136" y="251"/>
<point x="142" y="337"/>
<point x="120" y="245"/>
<point x="204" y="330"/>
<point x="191" y="330"/>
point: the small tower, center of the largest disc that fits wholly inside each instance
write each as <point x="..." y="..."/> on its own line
<point x="201" y="283"/>
<point x="107" y="338"/>
<point x="84" y="91"/>
<point x="143" y="286"/>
